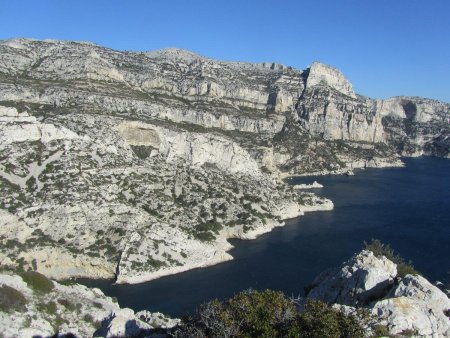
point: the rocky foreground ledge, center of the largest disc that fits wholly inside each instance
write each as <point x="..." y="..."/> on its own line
<point x="33" y="306"/>
<point x="370" y="288"/>
<point x="405" y="305"/>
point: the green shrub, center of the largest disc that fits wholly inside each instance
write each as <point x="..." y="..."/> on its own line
<point x="48" y="308"/>
<point x="320" y="320"/>
<point x="37" y="281"/>
<point x="379" y="249"/>
<point x="204" y="236"/>
<point x="88" y="318"/>
<point x="11" y="299"/>
<point x="262" y="314"/>
<point x="67" y="304"/>
<point x="267" y="314"/>
<point x="381" y="331"/>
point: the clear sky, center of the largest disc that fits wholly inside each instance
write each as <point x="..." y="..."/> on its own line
<point x="384" y="47"/>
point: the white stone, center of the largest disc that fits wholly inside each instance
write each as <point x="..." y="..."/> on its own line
<point x="358" y="281"/>
<point x="416" y="305"/>
<point x="320" y="74"/>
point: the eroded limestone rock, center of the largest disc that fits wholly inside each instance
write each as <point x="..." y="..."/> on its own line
<point x="407" y="305"/>
<point x="70" y="309"/>
<point x="359" y="281"/>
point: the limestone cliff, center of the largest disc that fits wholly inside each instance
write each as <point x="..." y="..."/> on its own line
<point x="329" y="109"/>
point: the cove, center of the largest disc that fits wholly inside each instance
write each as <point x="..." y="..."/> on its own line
<point x="408" y="208"/>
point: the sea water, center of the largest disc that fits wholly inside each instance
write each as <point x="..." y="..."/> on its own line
<point x="409" y="208"/>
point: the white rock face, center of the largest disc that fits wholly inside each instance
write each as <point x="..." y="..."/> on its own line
<point x="194" y="148"/>
<point x="415" y="305"/>
<point x="332" y="116"/>
<point x="357" y="282"/>
<point x="15" y="127"/>
<point x="122" y="324"/>
<point x="321" y="74"/>
<point x="411" y="305"/>
<point x="330" y="109"/>
<point x="140" y="134"/>
<point x="314" y="185"/>
<point x="413" y="108"/>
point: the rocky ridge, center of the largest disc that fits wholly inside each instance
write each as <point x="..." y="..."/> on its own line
<point x="135" y="165"/>
<point x="406" y="305"/>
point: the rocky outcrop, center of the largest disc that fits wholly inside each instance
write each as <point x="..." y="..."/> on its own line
<point x="359" y="281"/>
<point x="314" y="185"/>
<point x="194" y="148"/>
<point x="326" y="113"/>
<point x="320" y="74"/>
<point x="415" y="305"/>
<point x="413" y="108"/>
<point x="237" y="85"/>
<point x="408" y="304"/>
<point x="27" y="311"/>
<point x="21" y="127"/>
<point x="328" y="108"/>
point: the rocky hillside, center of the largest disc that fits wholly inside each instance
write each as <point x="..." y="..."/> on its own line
<point x="134" y="165"/>
<point x="33" y="306"/>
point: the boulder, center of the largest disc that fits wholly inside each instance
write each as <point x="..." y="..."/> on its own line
<point x="357" y="282"/>
<point x="122" y="324"/>
<point x="415" y="305"/>
<point x="411" y="305"/>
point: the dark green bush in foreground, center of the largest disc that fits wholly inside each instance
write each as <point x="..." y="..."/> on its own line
<point x="37" y="281"/>
<point x="379" y="249"/>
<point x="11" y="299"/>
<point x="267" y="314"/>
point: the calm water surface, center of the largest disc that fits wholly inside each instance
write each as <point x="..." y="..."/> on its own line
<point x="406" y="207"/>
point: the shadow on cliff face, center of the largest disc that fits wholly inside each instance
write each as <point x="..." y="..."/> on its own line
<point x="410" y="109"/>
<point x="66" y="335"/>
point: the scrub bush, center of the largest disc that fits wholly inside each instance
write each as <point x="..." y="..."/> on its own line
<point x="11" y="299"/>
<point x="37" y="282"/>
<point x="268" y="314"/>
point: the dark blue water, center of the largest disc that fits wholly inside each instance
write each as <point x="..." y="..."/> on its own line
<point x="406" y="207"/>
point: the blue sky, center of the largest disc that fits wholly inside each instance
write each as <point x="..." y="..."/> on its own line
<point x="384" y="47"/>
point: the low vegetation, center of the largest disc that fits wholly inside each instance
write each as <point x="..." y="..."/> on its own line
<point x="37" y="282"/>
<point x="380" y="249"/>
<point x="11" y="299"/>
<point x="267" y="314"/>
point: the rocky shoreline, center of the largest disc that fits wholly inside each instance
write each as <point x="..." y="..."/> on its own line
<point x="222" y="245"/>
